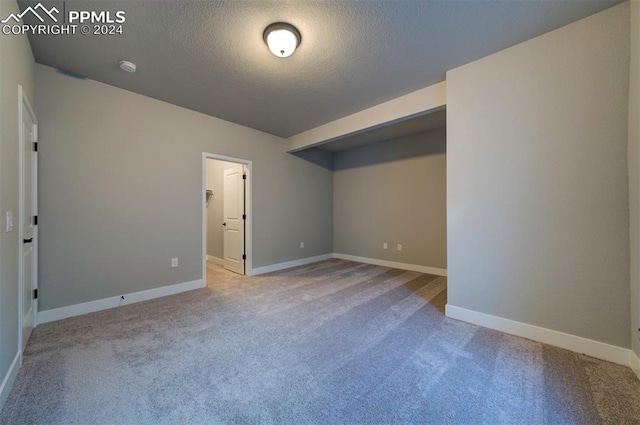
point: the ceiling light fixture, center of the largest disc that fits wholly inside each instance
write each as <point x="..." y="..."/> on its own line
<point x="127" y="66"/>
<point x="282" y="39"/>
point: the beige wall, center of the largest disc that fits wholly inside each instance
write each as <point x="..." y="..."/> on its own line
<point x="537" y="199"/>
<point x="16" y="68"/>
<point x="121" y="191"/>
<point x="634" y="173"/>
<point x="215" y="182"/>
<point x="394" y="192"/>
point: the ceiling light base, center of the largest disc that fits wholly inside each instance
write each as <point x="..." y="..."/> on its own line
<point x="282" y="38"/>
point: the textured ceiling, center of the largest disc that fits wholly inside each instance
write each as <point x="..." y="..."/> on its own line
<point x="209" y="56"/>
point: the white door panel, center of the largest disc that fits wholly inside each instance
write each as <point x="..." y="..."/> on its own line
<point x="233" y="211"/>
<point x="28" y="270"/>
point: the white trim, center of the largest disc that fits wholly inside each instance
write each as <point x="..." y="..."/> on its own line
<point x="575" y="343"/>
<point x="111" y="302"/>
<point x="21" y="102"/>
<point x="215" y="260"/>
<point x="402" y="266"/>
<point x="248" y="236"/>
<point x="289" y="264"/>
<point x="9" y="379"/>
<point x="634" y="363"/>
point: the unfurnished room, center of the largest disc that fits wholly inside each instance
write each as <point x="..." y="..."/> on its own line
<point x="319" y="212"/>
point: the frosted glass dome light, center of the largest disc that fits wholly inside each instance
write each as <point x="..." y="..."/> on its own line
<point x="282" y="39"/>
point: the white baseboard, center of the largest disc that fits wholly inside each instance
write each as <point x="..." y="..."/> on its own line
<point x="215" y="260"/>
<point x="634" y="363"/>
<point x="570" y="342"/>
<point x="105" y="303"/>
<point x="9" y="379"/>
<point x="402" y="266"/>
<point x="295" y="263"/>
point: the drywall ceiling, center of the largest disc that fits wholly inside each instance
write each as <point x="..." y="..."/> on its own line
<point x="389" y="131"/>
<point x="209" y="56"/>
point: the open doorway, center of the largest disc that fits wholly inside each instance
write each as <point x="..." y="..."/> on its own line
<point x="226" y="213"/>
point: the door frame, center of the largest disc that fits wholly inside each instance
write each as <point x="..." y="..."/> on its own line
<point x="248" y="205"/>
<point x="23" y="101"/>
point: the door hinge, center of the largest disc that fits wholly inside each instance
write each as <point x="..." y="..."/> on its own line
<point x="35" y="294"/>
<point x="244" y="216"/>
<point x="35" y="220"/>
<point x="35" y="146"/>
<point x="244" y="256"/>
<point x="244" y="177"/>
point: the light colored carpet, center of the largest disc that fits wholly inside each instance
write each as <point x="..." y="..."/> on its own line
<point x="330" y="343"/>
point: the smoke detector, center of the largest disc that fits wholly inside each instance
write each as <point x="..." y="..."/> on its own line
<point x="128" y="66"/>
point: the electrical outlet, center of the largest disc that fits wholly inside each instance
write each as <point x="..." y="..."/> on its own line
<point x="384" y="245"/>
<point x="399" y="247"/>
<point x="301" y="244"/>
<point x="174" y="262"/>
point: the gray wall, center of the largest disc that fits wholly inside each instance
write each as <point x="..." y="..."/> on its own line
<point x="16" y="68"/>
<point x="538" y="211"/>
<point x="394" y="192"/>
<point x="634" y="173"/>
<point x="215" y="181"/>
<point x="120" y="191"/>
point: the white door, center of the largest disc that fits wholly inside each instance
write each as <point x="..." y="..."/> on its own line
<point x="28" y="234"/>
<point x="233" y="215"/>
